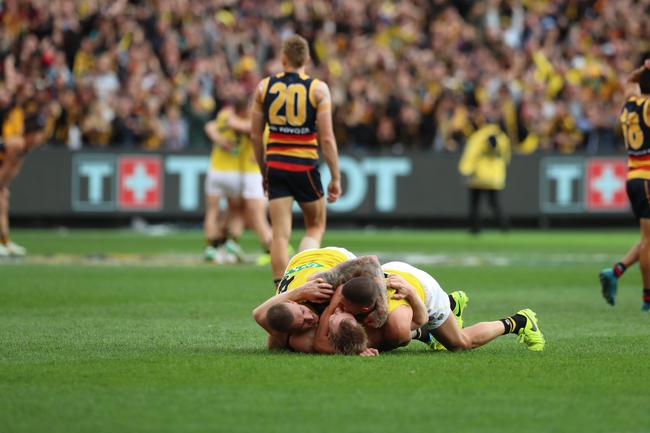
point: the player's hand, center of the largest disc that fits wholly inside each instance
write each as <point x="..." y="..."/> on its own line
<point x="402" y="288"/>
<point x="369" y="351"/>
<point x="333" y="190"/>
<point x="225" y="144"/>
<point x="316" y="290"/>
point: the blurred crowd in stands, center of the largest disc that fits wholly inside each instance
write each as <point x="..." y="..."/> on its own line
<point x="405" y="74"/>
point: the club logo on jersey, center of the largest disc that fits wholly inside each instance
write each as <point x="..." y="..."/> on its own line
<point x="140" y="183"/>
<point x="305" y="266"/>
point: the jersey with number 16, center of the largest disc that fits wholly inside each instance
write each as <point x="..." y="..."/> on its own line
<point x="635" y="122"/>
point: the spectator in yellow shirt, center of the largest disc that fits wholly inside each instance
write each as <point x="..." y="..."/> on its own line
<point x="484" y="162"/>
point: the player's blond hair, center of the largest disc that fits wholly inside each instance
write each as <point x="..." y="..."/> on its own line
<point x="350" y="339"/>
<point x="296" y="51"/>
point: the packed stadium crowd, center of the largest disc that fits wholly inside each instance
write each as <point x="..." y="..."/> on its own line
<point x="411" y="74"/>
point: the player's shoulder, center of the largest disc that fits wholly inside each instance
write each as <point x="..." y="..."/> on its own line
<point x="634" y="99"/>
<point x="225" y="113"/>
<point x="319" y="92"/>
<point x="319" y="84"/>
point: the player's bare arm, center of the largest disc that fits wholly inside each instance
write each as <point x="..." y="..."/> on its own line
<point x="316" y="290"/>
<point x="257" y="125"/>
<point x="364" y="266"/>
<point x="322" y="342"/>
<point x="403" y="290"/>
<point x="213" y="134"/>
<point x="631" y="84"/>
<point x="239" y="124"/>
<point x="326" y="138"/>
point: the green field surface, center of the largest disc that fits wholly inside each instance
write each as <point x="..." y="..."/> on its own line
<point x="120" y="331"/>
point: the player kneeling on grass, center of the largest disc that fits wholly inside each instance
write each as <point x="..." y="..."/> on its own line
<point x="410" y="289"/>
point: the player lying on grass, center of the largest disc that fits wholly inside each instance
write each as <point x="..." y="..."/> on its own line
<point x="290" y="317"/>
<point x="442" y="326"/>
<point x="340" y="332"/>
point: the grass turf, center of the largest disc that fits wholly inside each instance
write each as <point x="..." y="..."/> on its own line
<point x="174" y="349"/>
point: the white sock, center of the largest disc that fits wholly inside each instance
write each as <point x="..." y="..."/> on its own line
<point x="308" y="243"/>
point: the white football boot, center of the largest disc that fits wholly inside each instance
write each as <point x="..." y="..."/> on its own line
<point x="15" y="250"/>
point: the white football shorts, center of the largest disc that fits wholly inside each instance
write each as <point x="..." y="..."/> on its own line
<point x="436" y="300"/>
<point x="234" y="184"/>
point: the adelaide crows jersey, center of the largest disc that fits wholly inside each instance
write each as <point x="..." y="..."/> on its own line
<point x="635" y="122"/>
<point x="290" y="111"/>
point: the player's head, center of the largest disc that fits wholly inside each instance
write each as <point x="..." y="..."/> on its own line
<point x="346" y="334"/>
<point x="240" y="104"/>
<point x="360" y="295"/>
<point x="295" y="52"/>
<point x="291" y="317"/>
<point x="644" y="81"/>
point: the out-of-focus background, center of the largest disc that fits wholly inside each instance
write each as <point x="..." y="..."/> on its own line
<point x="113" y="82"/>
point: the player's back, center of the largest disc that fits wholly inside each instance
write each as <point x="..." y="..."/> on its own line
<point x="290" y="111"/>
<point x="635" y="122"/>
<point x="223" y="159"/>
<point x="308" y="262"/>
<point x="247" y="163"/>
<point x="395" y="268"/>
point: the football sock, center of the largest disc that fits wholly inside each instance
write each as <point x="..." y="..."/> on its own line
<point x="619" y="269"/>
<point x="646" y="296"/>
<point x="217" y="242"/>
<point x="424" y="337"/>
<point x="452" y="303"/>
<point x="513" y="324"/>
<point x="308" y="243"/>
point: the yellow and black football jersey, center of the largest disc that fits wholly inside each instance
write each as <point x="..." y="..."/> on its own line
<point x="290" y="111"/>
<point x="635" y="120"/>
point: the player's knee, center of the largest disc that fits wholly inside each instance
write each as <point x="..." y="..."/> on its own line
<point x="4" y="196"/>
<point x="460" y="344"/>
<point x="398" y="335"/>
<point x="315" y="224"/>
<point x="315" y="229"/>
<point x="279" y="240"/>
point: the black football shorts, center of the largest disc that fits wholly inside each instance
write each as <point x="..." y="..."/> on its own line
<point x="303" y="186"/>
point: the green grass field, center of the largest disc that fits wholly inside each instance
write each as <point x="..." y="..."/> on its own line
<point x="156" y="343"/>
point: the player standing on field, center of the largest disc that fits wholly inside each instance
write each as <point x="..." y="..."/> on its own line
<point x="635" y="120"/>
<point x="233" y="174"/>
<point x="297" y="109"/>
